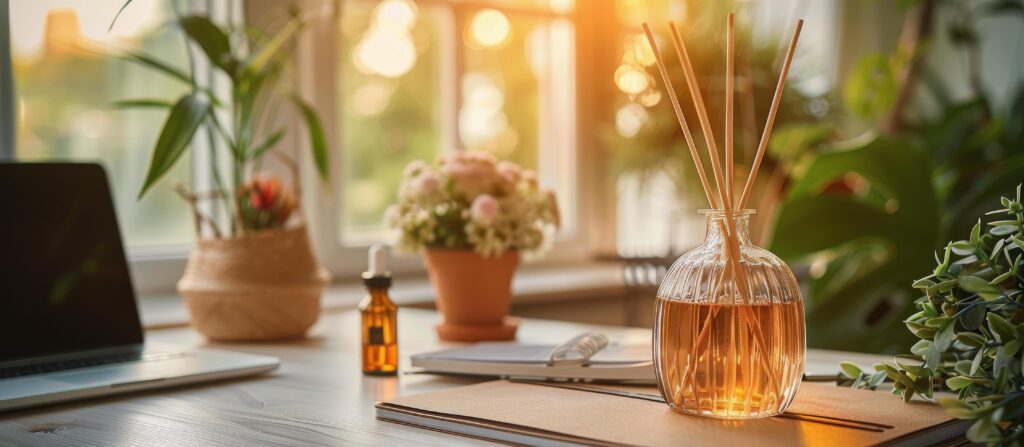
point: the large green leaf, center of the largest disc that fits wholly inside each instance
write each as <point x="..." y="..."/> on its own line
<point x="317" y="140"/>
<point x="905" y="223"/>
<point x="158" y="65"/>
<point x="185" y="117"/>
<point x="212" y="40"/>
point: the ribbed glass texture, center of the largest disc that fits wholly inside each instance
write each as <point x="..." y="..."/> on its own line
<point x="729" y="343"/>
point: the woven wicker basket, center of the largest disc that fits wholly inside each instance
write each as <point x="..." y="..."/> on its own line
<point x="261" y="286"/>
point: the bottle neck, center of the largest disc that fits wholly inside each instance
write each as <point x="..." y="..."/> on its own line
<point x="378" y="295"/>
<point x="718" y="227"/>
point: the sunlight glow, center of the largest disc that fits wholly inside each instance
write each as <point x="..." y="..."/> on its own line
<point x="490" y="28"/>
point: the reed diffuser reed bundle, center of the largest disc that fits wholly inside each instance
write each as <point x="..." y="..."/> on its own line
<point x="736" y="390"/>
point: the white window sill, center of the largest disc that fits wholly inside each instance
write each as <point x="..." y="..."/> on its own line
<point x="531" y="285"/>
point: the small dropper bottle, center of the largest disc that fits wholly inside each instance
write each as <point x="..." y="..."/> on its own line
<point x="379" y="318"/>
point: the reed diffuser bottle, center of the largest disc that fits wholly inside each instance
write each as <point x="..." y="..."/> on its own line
<point x="729" y="328"/>
<point x="729" y="345"/>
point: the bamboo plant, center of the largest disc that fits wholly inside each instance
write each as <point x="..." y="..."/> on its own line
<point x="256" y="66"/>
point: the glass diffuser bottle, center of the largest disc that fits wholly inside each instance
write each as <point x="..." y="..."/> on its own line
<point x="728" y="335"/>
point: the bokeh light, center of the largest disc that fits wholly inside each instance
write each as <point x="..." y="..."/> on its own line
<point x="387" y="49"/>
<point x="629" y="119"/>
<point x="631" y="79"/>
<point x="396" y="14"/>
<point x="490" y="28"/>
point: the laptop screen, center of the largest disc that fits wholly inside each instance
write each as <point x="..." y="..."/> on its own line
<point x="64" y="283"/>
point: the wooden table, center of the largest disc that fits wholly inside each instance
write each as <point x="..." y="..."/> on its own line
<point x="318" y="397"/>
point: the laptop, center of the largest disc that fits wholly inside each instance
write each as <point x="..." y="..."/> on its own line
<point x="69" y="326"/>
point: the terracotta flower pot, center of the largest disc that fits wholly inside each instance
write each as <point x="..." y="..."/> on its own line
<point x="261" y="286"/>
<point x="473" y="294"/>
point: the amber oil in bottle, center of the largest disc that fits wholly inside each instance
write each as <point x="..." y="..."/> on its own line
<point x="379" y="318"/>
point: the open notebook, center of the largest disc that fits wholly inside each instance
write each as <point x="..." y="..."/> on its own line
<point x="563" y="414"/>
<point x="588" y="357"/>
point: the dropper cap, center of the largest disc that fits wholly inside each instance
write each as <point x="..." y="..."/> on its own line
<point x="377" y="276"/>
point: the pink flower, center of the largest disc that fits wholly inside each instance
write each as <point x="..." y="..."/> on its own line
<point x="426" y="184"/>
<point x="471" y="177"/>
<point x="484" y="209"/>
<point x="509" y="171"/>
<point x="414" y="167"/>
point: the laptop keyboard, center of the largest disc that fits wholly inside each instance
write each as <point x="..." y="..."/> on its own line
<point x="42" y="368"/>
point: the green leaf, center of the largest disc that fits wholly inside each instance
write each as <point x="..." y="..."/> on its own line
<point x="944" y="338"/>
<point x="213" y="41"/>
<point x="958" y="408"/>
<point x="959" y="382"/>
<point x="266" y="145"/>
<point x="971" y="339"/>
<point x="933" y="358"/>
<point x="1003" y="230"/>
<point x="876" y="379"/>
<point x="962" y="248"/>
<point x="1011" y="348"/>
<point x="976" y="233"/>
<point x="181" y="124"/>
<point x="851" y="369"/>
<point x="141" y="102"/>
<point x="158" y="65"/>
<point x="973" y="317"/>
<point x="1001" y="327"/>
<point x="974" y="284"/>
<point x="317" y="140"/>
<point x="871" y="87"/>
<point x="267" y="52"/>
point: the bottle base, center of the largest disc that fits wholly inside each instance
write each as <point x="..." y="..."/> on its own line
<point x="724" y="414"/>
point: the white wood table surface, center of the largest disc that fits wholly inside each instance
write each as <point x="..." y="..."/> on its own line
<point x="319" y="396"/>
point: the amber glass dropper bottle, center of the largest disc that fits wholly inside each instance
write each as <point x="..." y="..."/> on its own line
<point x="379" y="318"/>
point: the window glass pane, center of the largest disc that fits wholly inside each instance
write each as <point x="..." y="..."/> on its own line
<point x="65" y="85"/>
<point x="517" y="95"/>
<point x="390" y="78"/>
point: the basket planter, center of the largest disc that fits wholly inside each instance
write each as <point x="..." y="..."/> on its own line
<point x="261" y="286"/>
<point x="473" y="294"/>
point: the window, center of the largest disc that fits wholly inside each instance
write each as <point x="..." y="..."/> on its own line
<point x="66" y="84"/>
<point x="418" y="78"/>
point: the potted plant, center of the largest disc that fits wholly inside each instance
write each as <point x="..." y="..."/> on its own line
<point x="969" y="327"/>
<point x="472" y="217"/>
<point x="252" y="274"/>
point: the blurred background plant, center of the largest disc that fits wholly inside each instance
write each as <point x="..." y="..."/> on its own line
<point x="256" y="65"/>
<point x="866" y="214"/>
<point x="645" y="139"/>
<point x="861" y="183"/>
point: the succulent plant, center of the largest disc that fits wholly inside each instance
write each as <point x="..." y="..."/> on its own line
<point x="970" y="323"/>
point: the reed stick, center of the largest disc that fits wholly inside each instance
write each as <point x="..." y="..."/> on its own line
<point x="702" y="114"/>
<point x="679" y="117"/>
<point x="730" y="45"/>
<point x="776" y="100"/>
